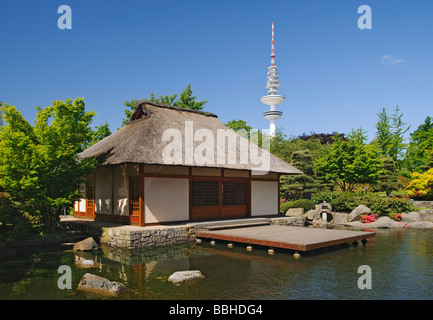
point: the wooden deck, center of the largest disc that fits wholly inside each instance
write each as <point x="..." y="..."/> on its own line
<point x="287" y="237"/>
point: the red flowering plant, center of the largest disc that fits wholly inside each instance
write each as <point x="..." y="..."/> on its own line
<point x="368" y="218"/>
<point x="397" y="217"/>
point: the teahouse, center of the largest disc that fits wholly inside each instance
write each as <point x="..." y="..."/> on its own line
<point x="175" y="165"/>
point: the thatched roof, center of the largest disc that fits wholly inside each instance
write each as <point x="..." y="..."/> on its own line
<point x="156" y="131"/>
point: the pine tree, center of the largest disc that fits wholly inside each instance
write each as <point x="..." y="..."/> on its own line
<point x="388" y="181"/>
<point x="300" y="186"/>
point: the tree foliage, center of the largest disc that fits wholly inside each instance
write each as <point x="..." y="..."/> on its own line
<point x="420" y="147"/>
<point x="185" y="99"/>
<point x="39" y="167"/>
<point x="388" y="181"/>
<point x="349" y="163"/>
<point x="300" y="186"/>
<point x="239" y="126"/>
<point x="324" y="138"/>
<point x="390" y="135"/>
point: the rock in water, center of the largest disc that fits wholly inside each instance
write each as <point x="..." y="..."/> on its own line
<point x="86" y="245"/>
<point x="185" y="276"/>
<point x="99" y="284"/>
<point x="427" y="214"/>
<point x="411" y="217"/>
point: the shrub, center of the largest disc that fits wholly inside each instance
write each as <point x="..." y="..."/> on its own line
<point x="346" y="202"/>
<point x="368" y="218"/>
<point x="327" y="196"/>
<point x="421" y="186"/>
<point x="379" y="204"/>
<point x="389" y="205"/>
<point x="301" y="203"/>
<point x="13" y="225"/>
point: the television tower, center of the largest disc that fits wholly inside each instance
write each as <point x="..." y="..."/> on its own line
<point x="272" y="99"/>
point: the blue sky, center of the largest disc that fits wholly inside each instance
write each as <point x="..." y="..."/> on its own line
<point x="335" y="76"/>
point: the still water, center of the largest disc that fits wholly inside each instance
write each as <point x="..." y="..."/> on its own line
<point x="401" y="262"/>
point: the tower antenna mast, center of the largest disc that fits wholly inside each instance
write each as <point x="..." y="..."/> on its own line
<point x="272" y="99"/>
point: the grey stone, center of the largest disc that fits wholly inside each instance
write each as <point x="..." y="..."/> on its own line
<point x="340" y="218"/>
<point x="385" y="222"/>
<point x="356" y="214"/>
<point x="310" y="215"/>
<point x="382" y="222"/>
<point x="99" y="284"/>
<point x="185" y="276"/>
<point x="88" y="244"/>
<point x="411" y="217"/>
<point x="420" y="225"/>
<point x="423" y="204"/>
<point x="295" y="212"/>
<point x="427" y="214"/>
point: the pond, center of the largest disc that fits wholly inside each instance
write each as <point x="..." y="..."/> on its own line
<point x="401" y="264"/>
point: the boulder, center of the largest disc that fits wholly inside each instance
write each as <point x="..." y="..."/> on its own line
<point x="427" y="214"/>
<point x="359" y="211"/>
<point x="411" y="217"/>
<point x="310" y="215"/>
<point x="340" y="218"/>
<point x="185" y="276"/>
<point x="420" y="225"/>
<point x="101" y="285"/>
<point x="88" y="244"/>
<point x="382" y="222"/>
<point x="295" y="212"/>
<point x="386" y="222"/>
<point x="423" y="204"/>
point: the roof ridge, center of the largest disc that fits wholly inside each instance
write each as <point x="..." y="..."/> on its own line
<point x="140" y="104"/>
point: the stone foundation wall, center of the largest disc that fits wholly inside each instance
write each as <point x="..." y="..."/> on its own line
<point x="134" y="238"/>
<point x="289" y="221"/>
<point x="131" y="237"/>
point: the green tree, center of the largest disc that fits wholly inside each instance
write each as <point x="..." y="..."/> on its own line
<point x="239" y="126"/>
<point x="100" y="133"/>
<point x="388" y="181"/>
<point x="39" y="166"/>
<point x="390" y="135"/>
<point x="300" y="186"/>
<point x="186" y="100"/>
<point x="284" y="147"/>
<point x="420" y="144"/>
<point x="350" y="162"/>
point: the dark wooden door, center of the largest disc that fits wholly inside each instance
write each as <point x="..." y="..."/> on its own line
<point x="90" y="200"/>
<point x="134" y="201"/>
<point x="219" y="199"/>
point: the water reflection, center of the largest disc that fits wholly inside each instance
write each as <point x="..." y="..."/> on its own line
<point x="401" y="263"/>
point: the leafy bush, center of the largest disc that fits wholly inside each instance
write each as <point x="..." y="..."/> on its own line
<point x="379" y="204"/>
<point x="301" y="203"/>
<point x="421" y="186"/>
<point x="13" y="225"/>
<point x="346" y="202"/>
<point x="389" y="205"/>
<point x="326" y="196"/>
